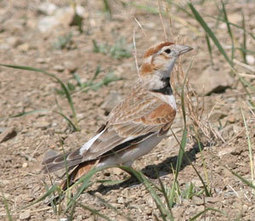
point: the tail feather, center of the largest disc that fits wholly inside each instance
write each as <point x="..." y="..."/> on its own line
<point x="77" y="173"/>
<point x="53" y="162"/>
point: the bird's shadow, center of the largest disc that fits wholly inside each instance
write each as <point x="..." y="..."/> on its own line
<point x="154" y="171"/>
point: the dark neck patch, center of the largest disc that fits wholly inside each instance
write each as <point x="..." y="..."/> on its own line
<point x="166" y="89"/>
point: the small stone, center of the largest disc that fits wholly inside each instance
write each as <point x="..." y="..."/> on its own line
<point x="111" y="101"/>
<point x="197" y="183"/>
<point x="245" y="208"/>
<point x="121" y="200"/>
<point x="209" y="81"/>
<point x="8" y="133"/>
<point x="59" y="68"/>
<point x="231" y="119"/>
<point x="42" y="124"/>
<point x="42" y="60"/>
<point x="47" y="23"/>
<point x="13" y="41"/>
<point x="198" y="201"/>
<point x="25" y="215"/>
<point x="117" y="171"/>
<point x="225" y="151"/>
<point x="212" y="199"/>
<point x="47" y="8"/>
<point x="70" y="66"/>
<point x="23" y="47"/>
<point x="24" y="165"/>
<point x="250" y="59"/>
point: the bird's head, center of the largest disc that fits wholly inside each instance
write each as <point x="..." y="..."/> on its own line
<point x="160" y="59"/>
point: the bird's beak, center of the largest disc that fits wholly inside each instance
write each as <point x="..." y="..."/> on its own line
<point x="182" y="49"/>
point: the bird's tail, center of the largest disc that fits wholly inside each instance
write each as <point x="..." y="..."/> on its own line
<point x="71" y="162"/>
<point x="74" y="168"/>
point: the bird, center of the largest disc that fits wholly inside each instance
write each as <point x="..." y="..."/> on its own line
<point x="135" y="126"/>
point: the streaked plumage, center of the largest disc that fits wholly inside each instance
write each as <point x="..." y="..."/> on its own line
<point x="134" y="126"/>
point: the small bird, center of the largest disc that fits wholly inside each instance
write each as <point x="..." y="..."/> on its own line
<point x="135" y="126"/>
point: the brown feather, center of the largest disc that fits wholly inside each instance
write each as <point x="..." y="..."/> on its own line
<point x="153" y="50"/>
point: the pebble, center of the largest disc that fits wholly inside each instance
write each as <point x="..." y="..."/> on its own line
<point x="231" y="119"/>
<point x="42" y="124"/>
<point x="198" y="201"/>
<point x="13" y="41"/>
<point x="25" y="215"/>
<point x="59" y="68"/>
<point x="47" y="8"/>
<point x="70" y="66"/>
<point x="117" y="171"/>
<point x="23" y="47"/>
<point x="210" y="82"/>
<point x="226" y="150"/>
<point x="24" y="165"/>
<point x="250" y="59"/>
<point x="111" y="101"/>
<point x="7" y="134"/>
<point x="42" y="60"/>
<point x="197" y="183"/>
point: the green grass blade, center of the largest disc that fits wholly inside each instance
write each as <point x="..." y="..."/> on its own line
<point x="165" y="213"/>
<point x="93" y="211"/>
<point x="209" y="32"/>
<point x="85" y="180"/>
<point x="209" y="47"/>
<point x="49" y="192"/>
<point x="249" y="146"/>
<point x="244" y="45"/>
<point x="204" y="211"/>
<point x="21" y="114"/>
<point x="234" y="25"/>
<point x="245" y="181"/>
<point x="6" y="206"/>
<point x="63" y="86"/>
<point x="229" y="30"/>
<point x="69" y="121"/>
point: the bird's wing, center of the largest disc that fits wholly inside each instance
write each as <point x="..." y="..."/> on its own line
<point x="136" y="118"/>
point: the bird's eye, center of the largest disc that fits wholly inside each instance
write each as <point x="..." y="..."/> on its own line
<point x="168" y="51"/>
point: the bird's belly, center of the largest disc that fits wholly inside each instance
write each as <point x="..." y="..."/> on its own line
<point x="127" y="156"/>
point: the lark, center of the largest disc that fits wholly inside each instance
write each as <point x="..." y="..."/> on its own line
<point x="135" y="126"/>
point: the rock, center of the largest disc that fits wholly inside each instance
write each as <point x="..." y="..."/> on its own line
<point x="70" y="66"/>
<point x="23" y="47"/>
<point x="47" y="8"/>
<point x="47" y="23"/>
<point x="59" y="68"/>
<point x="13" y="41"/>
<point x="117" y="171"/>
<point x="61" y="16"/>
<point x="9" y="133"/>
<point x="250" y="59"/>
<point x="25" y="215"/>
<point x="231" y="118"/>
<point x="24" y="165"/>
<point x="42" y="60"/>
<point x="213" y="81"/>
<point x="227" y="150"/>
<point x="42" y="124"/>
<point x="198" y="201"/>
<point x="111" y="101"/>
<point x="197" y="183"/>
